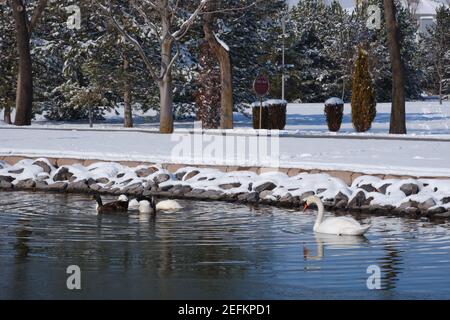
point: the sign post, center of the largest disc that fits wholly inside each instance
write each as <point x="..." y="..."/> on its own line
<point x="261" y="86"/>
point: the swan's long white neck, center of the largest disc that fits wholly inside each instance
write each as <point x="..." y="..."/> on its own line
<point x="321" y="209"/>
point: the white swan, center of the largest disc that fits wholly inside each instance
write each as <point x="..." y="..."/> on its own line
<point x="337" y="225"/>
<point x="168" y="205"/>
<point x="133" y="204"/>
<point x="146" y="207"/>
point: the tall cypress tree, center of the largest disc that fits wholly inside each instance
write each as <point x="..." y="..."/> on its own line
<point x="363" y="94"/>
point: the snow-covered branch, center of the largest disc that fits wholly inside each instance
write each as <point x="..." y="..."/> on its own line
<point x="37" y="13"/>
<point x="132" y="40"/>
<point x="184" y="28"/>
<point x="172" y="62"/>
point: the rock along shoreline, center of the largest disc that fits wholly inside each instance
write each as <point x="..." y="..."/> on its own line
<point x="416" y="198"/>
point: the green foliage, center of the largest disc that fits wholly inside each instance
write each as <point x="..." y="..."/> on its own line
<point x="377" y="46"/>
<point x="8" y="58"/>
<point x="322" y="43"/>
<point x="251" y="35"/>
<point x="363" y="94"/>
<point x="437" y="60"/>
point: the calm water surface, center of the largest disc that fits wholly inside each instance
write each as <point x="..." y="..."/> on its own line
<point x="210" y="251"/>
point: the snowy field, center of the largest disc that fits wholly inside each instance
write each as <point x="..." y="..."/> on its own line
<point x="423" y="118"/>
<point x="306" y="143"/>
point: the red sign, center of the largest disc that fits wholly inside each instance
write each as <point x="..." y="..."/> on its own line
<point x="261" y="85"/>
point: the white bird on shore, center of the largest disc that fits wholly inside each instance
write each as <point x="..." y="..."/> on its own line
<point x="337" y="225"/>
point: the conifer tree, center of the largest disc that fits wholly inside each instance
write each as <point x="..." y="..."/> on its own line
<point x="437" y="60"/>
<point x="363" y="94"/>
<point x="8" y="63"/>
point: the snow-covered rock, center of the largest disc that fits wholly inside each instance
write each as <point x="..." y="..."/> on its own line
<point x="421" y="196"/>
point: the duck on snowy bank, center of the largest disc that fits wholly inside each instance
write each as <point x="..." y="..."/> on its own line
<point x="338" y="225"/>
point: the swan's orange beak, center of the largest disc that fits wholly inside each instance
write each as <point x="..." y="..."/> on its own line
<point x="305" y="207"/>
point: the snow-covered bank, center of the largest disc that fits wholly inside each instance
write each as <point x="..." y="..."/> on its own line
<point x="383" y="156"/>
<point x="425" y="197"/>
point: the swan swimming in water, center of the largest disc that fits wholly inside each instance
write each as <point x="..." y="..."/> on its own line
<point x="133" y="204"/>
<point x="145" y="206"/>
<point x="149" y="205"/>
<point x="337" y="225"/>
<point x="168" y="205"/>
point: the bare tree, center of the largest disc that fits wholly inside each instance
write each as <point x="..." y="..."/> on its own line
<point x="128" y="111"/>
<point x="398" y="121"/>
<point x="168" y="13"/>
<point x="24" y="29"/>
<point x="222" y="55"/>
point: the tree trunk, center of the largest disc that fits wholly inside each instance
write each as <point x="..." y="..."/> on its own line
<point x="440" y="91"/>
<point x="24" y="92"/>
<point x="398" y="121"/>
<point x="165" y="81"/>
<point x="7" y="114"/>
<point x="226" y="75"/>
<point x="128" y="113"/>
<point x="91" y="116"/>
<point x="165" y="88"/>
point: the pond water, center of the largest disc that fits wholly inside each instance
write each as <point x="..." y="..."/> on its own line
<point x="210" y="250"/>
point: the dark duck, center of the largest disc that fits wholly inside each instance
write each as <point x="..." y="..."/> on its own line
<point x="120" y="206"/>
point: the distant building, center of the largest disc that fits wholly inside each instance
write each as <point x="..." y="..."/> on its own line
<point x="426" y="13"/>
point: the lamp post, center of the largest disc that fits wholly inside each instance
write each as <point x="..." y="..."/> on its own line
<point x="283" y="26"/>
<point x="284" y="18"/>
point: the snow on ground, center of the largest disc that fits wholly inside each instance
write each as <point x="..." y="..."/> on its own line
<point x="423" y="118"/>
<point x="305" y="144"/>
<point x="421" y="158"/>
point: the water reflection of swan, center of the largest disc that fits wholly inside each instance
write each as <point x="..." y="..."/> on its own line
<point x="332" y="242"/>
<point x="337" y="225"/>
